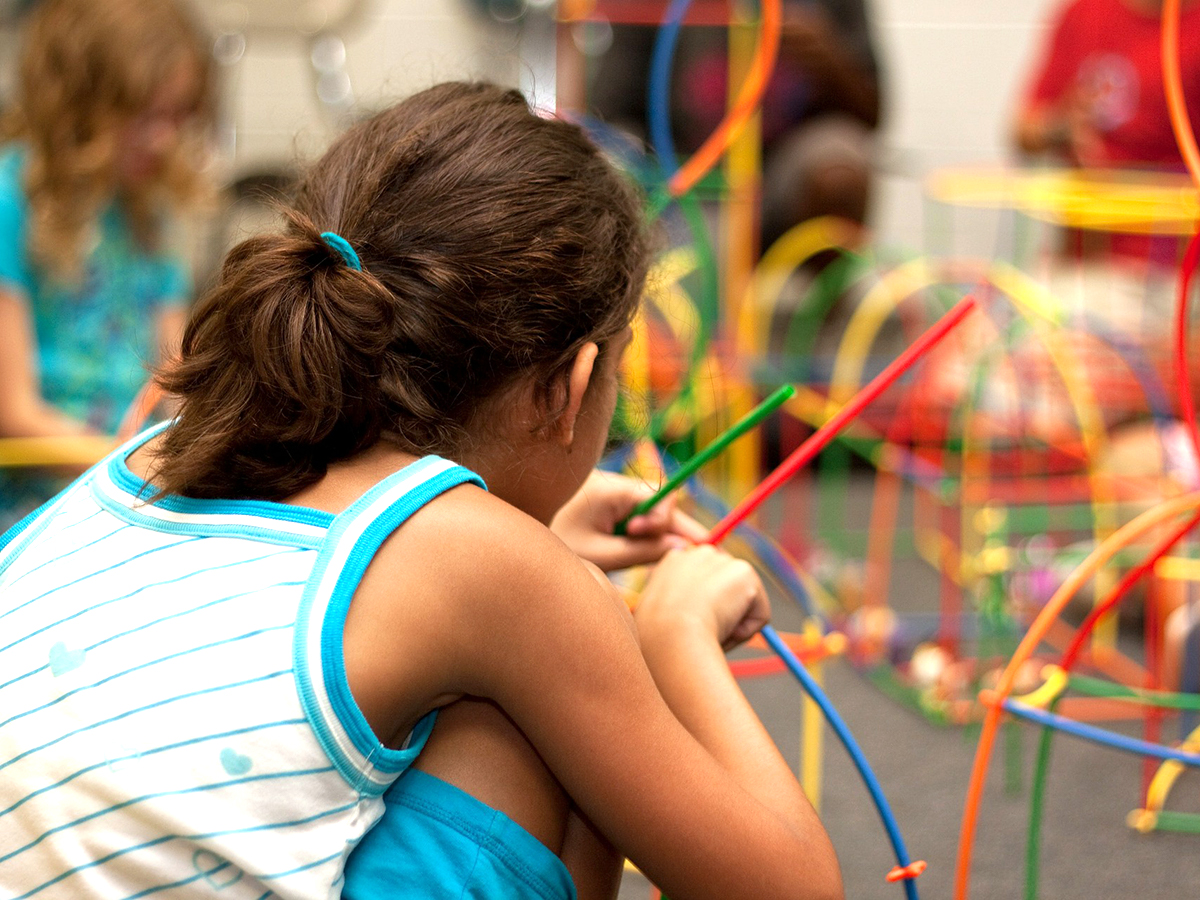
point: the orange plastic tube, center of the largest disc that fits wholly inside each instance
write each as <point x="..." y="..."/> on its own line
<point x="700" y="162"/>
<point x="1121" y="538"/>
<point x="1173" y="87"/>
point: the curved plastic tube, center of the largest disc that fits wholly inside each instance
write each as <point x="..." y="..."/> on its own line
<point x="1124" y="536"/>
<point x="856" y="755"/>
<point x="1183" y="388"/>
<point x="1173" y="86"/>
<point x="685" y="177"/>
<point x="1100" y="735"/>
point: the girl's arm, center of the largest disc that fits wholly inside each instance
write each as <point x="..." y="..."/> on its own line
<point x="23" y="412"/>
<point x="691" y="789"/>
<point x="661" y="752"/>
<point x="682" y="642"/>
<point x="150" y="401"/>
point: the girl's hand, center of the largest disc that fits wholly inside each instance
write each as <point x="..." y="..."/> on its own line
<point x="586" y="523"/>
<point x="706" y="588"/>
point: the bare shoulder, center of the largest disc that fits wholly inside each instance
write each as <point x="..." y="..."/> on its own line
<point x="445" y="594"/>
<point x="475" y="540"/>
<point x="492" y="566"/>
<point x="462" y="549"/>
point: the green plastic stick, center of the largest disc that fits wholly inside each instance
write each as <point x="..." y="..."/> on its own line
<point x="1188" y="823"/>
<point x="723" y="440"/>
<point x="1099" y="688"/>
<point x="1037" y="806"/>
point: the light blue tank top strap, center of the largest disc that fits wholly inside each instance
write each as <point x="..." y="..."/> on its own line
<point x="25" y="530"/>
<point x="351" y="543"/>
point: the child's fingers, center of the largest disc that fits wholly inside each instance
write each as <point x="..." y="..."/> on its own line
<point x="639" y="551"/>
<point x="757" y="615"/>
<point x="666" y="519"/>
<point x="707" y="582"/>
<point x="749" y="603"/>
<point x="686" y="527"/>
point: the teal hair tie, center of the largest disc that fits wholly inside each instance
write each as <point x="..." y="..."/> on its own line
<point x="343" y="248"/>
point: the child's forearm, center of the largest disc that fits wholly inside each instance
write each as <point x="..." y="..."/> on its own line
<point x="38" y="419"/>
<point x="23" y="411"/>
<point x="691" y="673"/>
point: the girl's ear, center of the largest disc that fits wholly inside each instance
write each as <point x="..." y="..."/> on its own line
<point x="578" y="379"/>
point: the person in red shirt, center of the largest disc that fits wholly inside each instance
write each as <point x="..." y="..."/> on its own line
<point x="1096" y="100"/>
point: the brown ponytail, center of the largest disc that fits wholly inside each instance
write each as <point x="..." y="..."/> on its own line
<point x="493" y="243"/>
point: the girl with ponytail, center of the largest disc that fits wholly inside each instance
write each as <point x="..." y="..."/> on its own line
<point x="331" y="631"/>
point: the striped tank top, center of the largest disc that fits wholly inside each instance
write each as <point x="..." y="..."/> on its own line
<point x="175" y="717"/>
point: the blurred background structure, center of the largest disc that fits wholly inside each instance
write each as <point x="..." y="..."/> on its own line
<point x="953" y="73"/>
<point x="951" y="516"/>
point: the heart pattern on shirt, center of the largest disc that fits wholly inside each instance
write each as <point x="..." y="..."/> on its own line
<point x="235" y="763"/>
<point x="63" y="660"/>
<point x="218" y="873"/>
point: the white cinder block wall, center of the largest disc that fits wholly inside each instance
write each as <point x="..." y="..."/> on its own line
<point x="953" y="69"/>
<point x="392" y="47"/>
<point x="954" y="72"/>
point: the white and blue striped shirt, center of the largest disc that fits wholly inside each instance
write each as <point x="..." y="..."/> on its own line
<point x="174" y="712"/>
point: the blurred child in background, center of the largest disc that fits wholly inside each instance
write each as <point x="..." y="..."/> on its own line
<point x="103" y="155"/>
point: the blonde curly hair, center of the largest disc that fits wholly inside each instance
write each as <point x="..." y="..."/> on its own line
<point x="88" y="68"/>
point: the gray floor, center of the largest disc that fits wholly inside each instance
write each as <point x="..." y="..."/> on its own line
<point x="1087" y="851"/>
